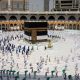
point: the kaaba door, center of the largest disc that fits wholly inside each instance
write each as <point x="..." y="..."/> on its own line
<point x="34" y="36"/>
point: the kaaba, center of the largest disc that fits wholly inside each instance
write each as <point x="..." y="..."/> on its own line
<point x="35" y="31"/>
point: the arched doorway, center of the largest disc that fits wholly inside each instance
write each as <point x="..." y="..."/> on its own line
<point x="32" y="18"/>
<point x="70" y="26"/>
<point x="51" y="18"/>
<point x="61" y="18"/>
<point x="78" y="27"/>
<point x="13" y="18"/>
<point x="2" y="18"/>
<point x="71" y="18"/>
<point x="23" y="18"/>
<point x="3" y="27"/>
<point x="11" y="25"/>
<point x="42" y="18"/>
<point x="74" y="26"/>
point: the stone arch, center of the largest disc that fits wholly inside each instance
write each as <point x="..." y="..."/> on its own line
<point x="3" y="26"/>
<point x="11" y="25"/>
<point x="2" y="18"/>
<point x="72" y="18"/>
<point x="15" y="24"/>
<point x="13" y="18"/>
<point x="62" y="24"/>
<point x="23" y="18"/>
<point x="78" y="27"/>
<point x="51" y="18"/>
<point x="70" y="26"/>
<point x="32" y="18"/>
<point x="61" y="18"/>
<point x="42" y="18"/>
<point x="74" y="26"/>
<point x="58" y="25"/>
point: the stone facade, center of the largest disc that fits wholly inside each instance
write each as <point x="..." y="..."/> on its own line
<point x="20" y="5"/>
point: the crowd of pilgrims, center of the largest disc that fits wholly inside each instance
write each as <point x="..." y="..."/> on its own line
<point x="6" y="47"/>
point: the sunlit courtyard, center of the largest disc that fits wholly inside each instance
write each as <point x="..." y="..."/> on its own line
<point x="38" y="61"/>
